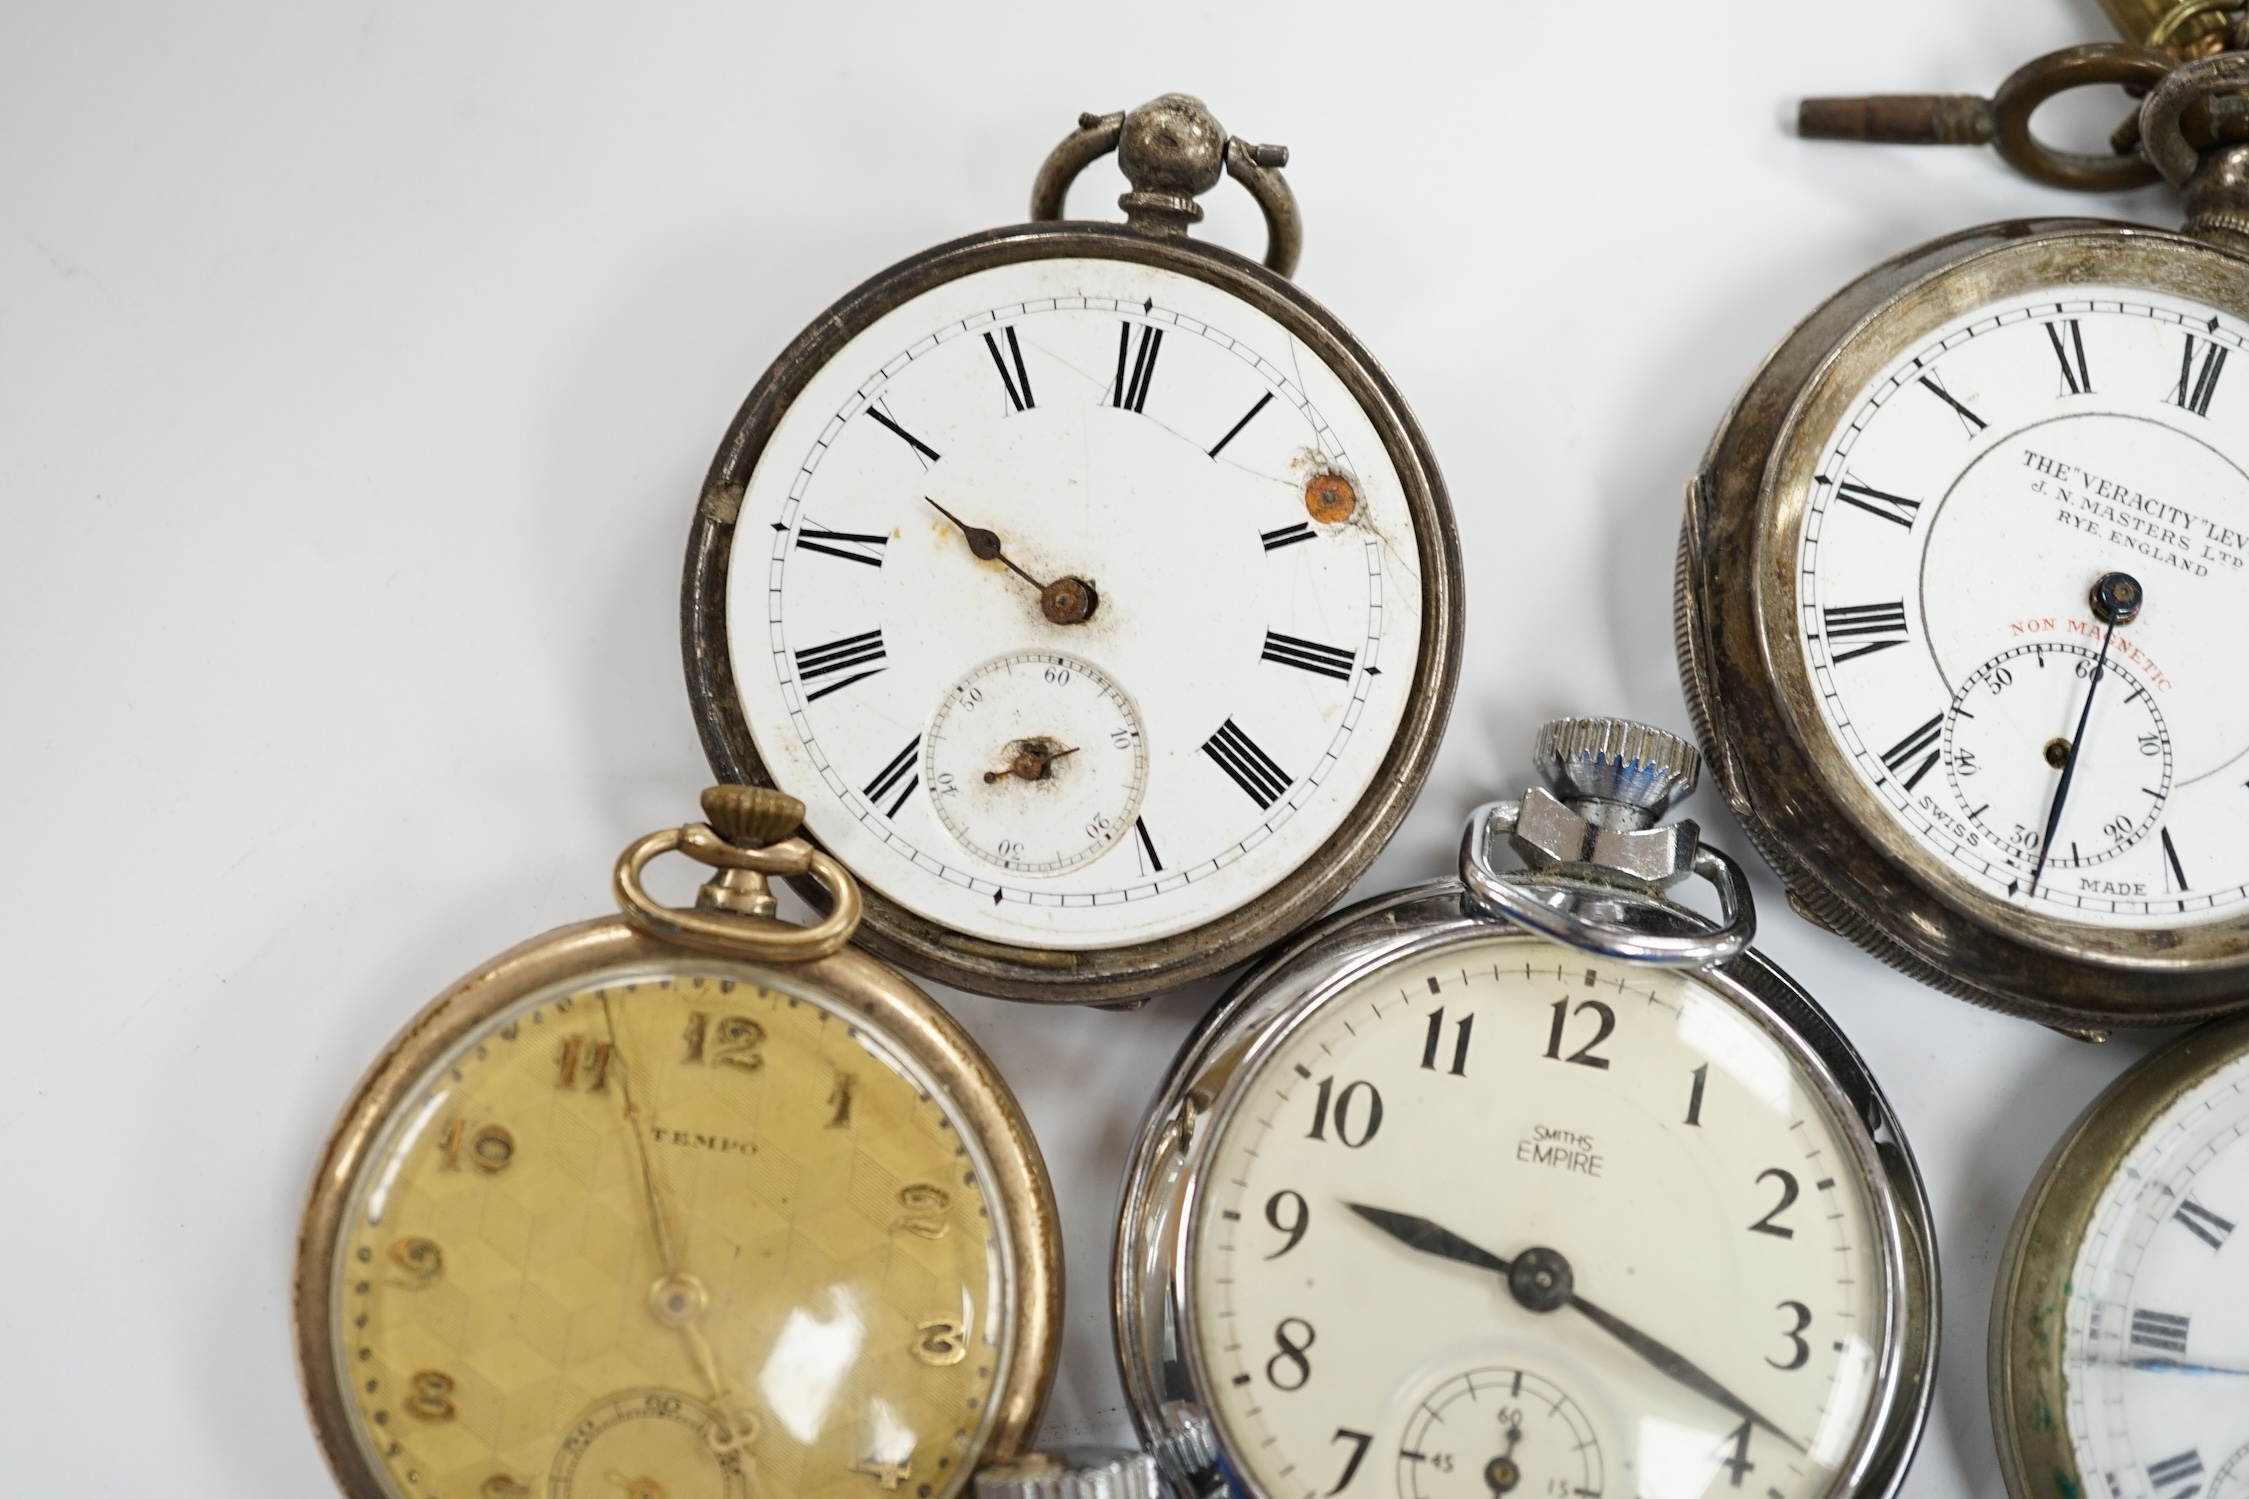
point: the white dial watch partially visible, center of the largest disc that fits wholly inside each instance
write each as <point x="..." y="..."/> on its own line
<point x="2120" y="1331"/>
<point x="1091" y="586"/>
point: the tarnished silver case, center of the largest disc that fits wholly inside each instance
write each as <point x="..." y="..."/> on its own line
<point x="1166" y="1385"/>
<point x="1136" y="970"/>
<point x="1846" y="863"/>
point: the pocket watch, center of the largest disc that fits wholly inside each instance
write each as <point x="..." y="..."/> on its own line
<point x="680" y="1203"/>
<point x="1964" y="575"/>
<point x="1092" y="586"/>
<point x="1533" y="1185"/>
<point x="2120" y="1331"/>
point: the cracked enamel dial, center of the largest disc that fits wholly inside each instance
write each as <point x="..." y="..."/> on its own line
<point x="1083" y="461"/>
<point x="1956" y="522"/>
<point x="1505" y="1221"/>
<point x="664" y="1233"/>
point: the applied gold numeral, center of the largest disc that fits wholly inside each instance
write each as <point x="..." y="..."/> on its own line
<point x="432" y="1399"/>
<point x="924" y="1207"/>
<point x="889" y="1475"/>
<point x="727" y="1041"/>
<point x="585" y="1063"/>
<point x="489" y="1149"/>
<point x="939" y="1341"/>
<point x="421" y="1259"/>
<point x="839" y="1100"/>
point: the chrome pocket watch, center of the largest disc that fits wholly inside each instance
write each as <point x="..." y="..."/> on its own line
<point x="1533" y="1184"/>
<point x="680" y="1203"/>
<point x="2120" y="1330"/>
<point x="1092" y="586"/>
<point x="1963" y="577"/>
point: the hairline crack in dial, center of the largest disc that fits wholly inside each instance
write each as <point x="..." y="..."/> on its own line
<point x="1018" y="461"/>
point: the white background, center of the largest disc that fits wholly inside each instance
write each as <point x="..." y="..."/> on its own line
<point x="359" y="366"/>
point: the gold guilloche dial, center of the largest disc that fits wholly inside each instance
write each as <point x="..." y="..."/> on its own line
<point x="660" y="1232"/>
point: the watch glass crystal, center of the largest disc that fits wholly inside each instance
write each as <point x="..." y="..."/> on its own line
<point x="1503" y="1219"/>
<point x="665" y="1232"/>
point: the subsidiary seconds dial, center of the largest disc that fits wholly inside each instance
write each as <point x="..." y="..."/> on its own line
<point x="2016" y="711"/>
<point x="1036" y="762"/>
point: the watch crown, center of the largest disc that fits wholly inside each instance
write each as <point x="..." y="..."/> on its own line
<point x="1072" y="1473"/>
<point x="1636" y="769"/>
<point x="752" y="816"/>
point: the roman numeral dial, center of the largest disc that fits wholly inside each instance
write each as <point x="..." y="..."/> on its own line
<point x="1945" y="528"/>
<point x="1213" y="700"/>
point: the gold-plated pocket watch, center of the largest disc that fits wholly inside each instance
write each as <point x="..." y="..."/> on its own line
<point x="680" y="1203"/>
<point x="1965" y="573"/>
<point x="1533" y="1184"/>
<point x="1091" y="585"/>
<point x="2120" y="1331"/>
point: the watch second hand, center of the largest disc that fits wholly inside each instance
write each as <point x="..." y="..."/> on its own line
<point x="1431" y="1238"/>
<point x="2116" y="598"/>
<point x="679" y="1299"/>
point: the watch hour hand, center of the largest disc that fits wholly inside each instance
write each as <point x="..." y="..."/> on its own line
<point x="1429" y="1238"/>
<point x="1540" y="1281"/>
<point x="1065" y="601"/>
<point x="984" y="545"/>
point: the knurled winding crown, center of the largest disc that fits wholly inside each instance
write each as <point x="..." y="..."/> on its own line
<point x="1072" y="1473"/>
<point x="1616" y="760"/>
<point x="752" y="816"/>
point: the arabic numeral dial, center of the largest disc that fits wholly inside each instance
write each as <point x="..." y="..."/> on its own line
<point x="1450" y="1229"/>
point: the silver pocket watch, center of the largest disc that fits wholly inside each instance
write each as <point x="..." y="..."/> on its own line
<point x="1532" y="1183"/>
<point x="1964" y="573"/>
<point x="1091" y="585"/>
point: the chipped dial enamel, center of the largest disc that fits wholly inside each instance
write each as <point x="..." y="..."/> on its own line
<point x="2156" y="1352"/>
<point x="1644" y="1136"/>
<point x="1153" y="436"/>
<point x="1956" y="524"/>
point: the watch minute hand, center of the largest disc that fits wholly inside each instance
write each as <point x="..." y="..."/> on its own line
<point x="1676" y="1366"/>
<point x="1432" y="1238"/>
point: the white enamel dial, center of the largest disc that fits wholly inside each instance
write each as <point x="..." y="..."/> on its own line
<point x="2156" y="1357"/>
<point x="1036" y="762"/>
<point x="1959" y="518"/>
<point x="1227" y="506"/>
<point x="1455" y="1123"/>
